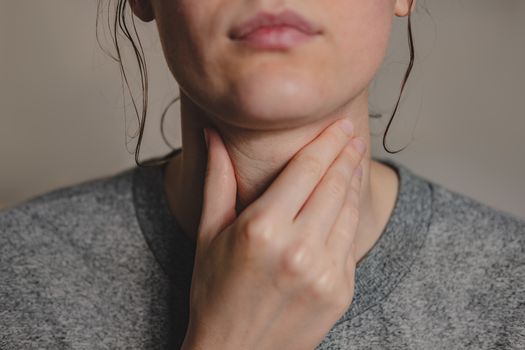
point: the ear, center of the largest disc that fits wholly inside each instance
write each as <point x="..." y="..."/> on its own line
<point x="401" y="7"/>
<point x="142" y="9"/>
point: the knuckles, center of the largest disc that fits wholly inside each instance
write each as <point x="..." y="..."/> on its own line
<point x="296" y="260"/>
<point x="301" y="270"/>
<point x="257" y="229"/>
<point x="324" y="286"/>
<point x="299" y="267"/>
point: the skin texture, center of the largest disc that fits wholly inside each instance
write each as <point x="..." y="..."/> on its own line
<point x="269" y="105"/>
<point x="279" y="275"/>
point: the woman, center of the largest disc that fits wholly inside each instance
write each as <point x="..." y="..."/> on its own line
<point x="274" y="229"/>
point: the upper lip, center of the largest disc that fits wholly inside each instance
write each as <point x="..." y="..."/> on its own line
<point x="265" y="19"/>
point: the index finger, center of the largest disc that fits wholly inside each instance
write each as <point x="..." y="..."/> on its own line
<point x="290" y="190"/>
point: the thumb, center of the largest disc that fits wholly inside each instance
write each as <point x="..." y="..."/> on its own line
<point x="220" y="190"/>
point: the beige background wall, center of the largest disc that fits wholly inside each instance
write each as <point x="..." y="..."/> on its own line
<point x="62" y="116"/>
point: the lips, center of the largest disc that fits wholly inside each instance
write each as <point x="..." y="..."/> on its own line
<point x="266" y="19"/>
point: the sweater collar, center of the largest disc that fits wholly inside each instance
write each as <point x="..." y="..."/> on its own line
<point x="377" y="273"/>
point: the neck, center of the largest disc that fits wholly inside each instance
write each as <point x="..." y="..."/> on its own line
<point x="258" y="156"/>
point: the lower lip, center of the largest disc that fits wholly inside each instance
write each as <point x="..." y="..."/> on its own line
<point x="275" y="37"/>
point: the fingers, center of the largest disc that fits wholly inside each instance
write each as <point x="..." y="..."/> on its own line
<point x="289" y="191"/>
<point x="220" y="189"/>
<point x="340" y="240"/>
<point x="324" y="206"/>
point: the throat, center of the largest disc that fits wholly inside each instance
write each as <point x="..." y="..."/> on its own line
<point x="384" y="190"/>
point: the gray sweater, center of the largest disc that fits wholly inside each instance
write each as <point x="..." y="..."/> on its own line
<point x="104" y="265"/>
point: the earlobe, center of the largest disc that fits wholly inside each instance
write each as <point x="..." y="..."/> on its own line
<point x="401" y="7"/>
<point x="142" y="9"/>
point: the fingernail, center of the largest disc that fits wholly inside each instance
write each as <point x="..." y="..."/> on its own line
<point x="359" y="144"/>
<point x="205" y="131"/>
<point x="347" y="126"/>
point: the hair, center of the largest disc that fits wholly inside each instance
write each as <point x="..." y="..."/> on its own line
<point x="120" y="25"/>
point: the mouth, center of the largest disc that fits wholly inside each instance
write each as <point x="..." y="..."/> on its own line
<point x="288" y="20"/>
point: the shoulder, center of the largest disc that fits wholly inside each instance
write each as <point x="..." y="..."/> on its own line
<point x="475" y="255"/>
<point x="76" y="219"/>
<point x="69" y="220"/>
<point x="459" y="217"/>
<point x="477" y="246"/>
<point x="64" y="234"/>
<point x="67" y="211"/>
<point x="72" y="265"/>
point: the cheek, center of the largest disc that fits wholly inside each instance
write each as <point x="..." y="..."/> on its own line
<point x="361" y="40"/>
<point x="186" y="32"/>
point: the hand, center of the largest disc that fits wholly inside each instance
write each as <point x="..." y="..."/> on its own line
<point x="280" y="274"/>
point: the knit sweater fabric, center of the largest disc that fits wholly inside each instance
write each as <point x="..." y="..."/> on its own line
<point x="103" y="264"/>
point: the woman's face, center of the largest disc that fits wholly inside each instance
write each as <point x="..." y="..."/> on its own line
<point x="271" y="88"/>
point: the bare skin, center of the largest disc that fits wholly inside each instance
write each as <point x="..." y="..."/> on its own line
<point x="279" y="275"/>
<point x="379" y="185"/>
<point x="266" y="107"/>
<point x="254" y="284"/>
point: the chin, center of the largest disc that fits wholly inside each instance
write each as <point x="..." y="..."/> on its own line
<point x="271" y="102"/>
<point x="271" y="110"/>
